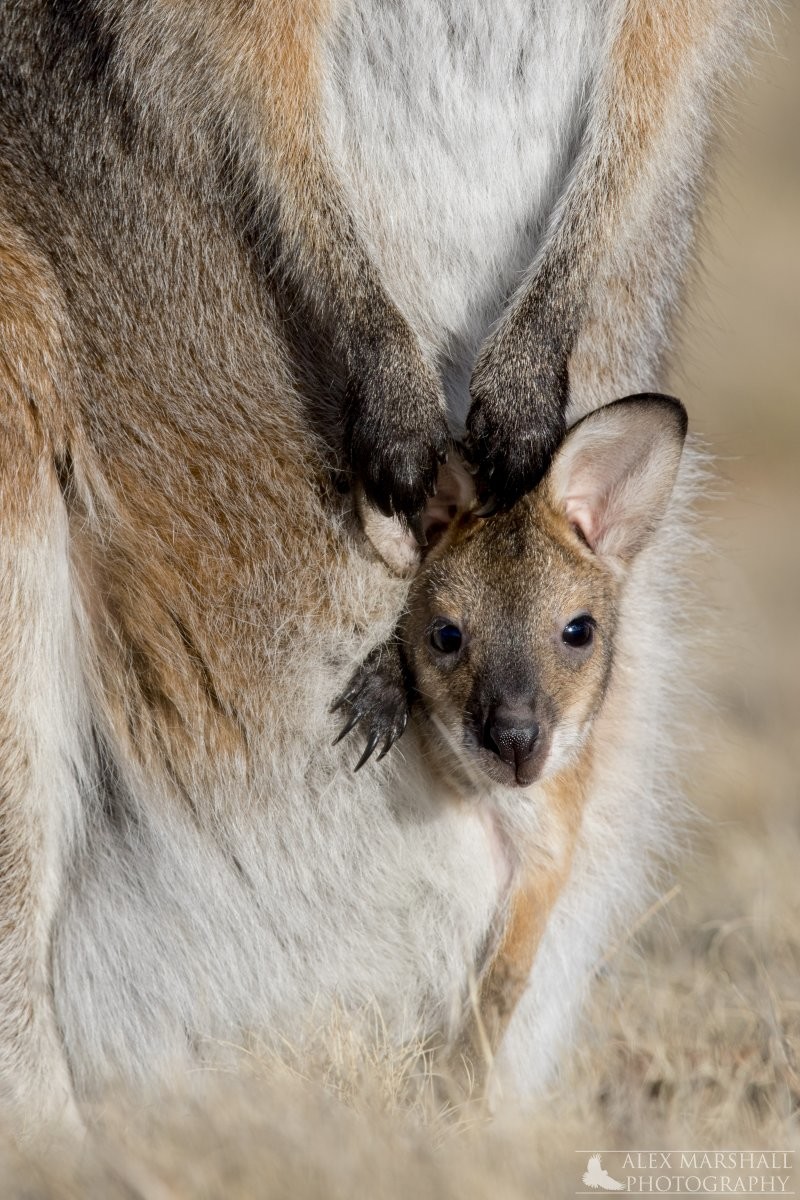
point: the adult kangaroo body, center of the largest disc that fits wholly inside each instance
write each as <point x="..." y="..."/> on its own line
<point x="245" y="253"/>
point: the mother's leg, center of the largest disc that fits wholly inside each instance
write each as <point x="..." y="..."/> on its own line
<point x="41" y="704"/>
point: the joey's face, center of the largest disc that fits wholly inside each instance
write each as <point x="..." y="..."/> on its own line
<point x="510" y="626"/>
<point x="510" y="638"/>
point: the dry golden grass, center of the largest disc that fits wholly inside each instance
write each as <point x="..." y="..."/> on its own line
<point x="693" y="1041"/>
<point x="693" y="1038"/>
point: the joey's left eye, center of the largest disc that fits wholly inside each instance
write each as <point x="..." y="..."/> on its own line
<point x="578" y="632"/>
<point x="446" y="637"/>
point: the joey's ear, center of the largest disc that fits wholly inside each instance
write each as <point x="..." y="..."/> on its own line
<point x="455" y="493"/>
<point x="392" y="539"/>
<point x="614" y="472"/>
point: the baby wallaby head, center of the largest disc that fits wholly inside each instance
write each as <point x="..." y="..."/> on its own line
<point x="510" y="627"/>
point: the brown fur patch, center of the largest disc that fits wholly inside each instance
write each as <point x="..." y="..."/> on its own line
<point x="272" y="50"/>
<point x="649" y="58"/>
<point x="32" y="371"/>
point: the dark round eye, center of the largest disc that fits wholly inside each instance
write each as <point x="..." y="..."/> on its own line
<point x="446" y="638"/>
<point x="578" y="632"/>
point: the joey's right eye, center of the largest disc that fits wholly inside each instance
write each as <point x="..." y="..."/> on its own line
<point x="446" y="637"/>
<point x="579" y="631"/>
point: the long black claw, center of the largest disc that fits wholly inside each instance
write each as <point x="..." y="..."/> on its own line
<point x="388" y="742"/>
<point x="488" y="508"/>
<point x="345" y="698"/>
<point x="394" y="735"/>
<point x="351" y="724"/>
<point x="370" y="746"/>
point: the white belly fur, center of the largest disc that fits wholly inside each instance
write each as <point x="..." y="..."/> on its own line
<point x="453" y="124"/>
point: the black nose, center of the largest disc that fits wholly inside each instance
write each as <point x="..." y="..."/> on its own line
<point x="511" y="735"/>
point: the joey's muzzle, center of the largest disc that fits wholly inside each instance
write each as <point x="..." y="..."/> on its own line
<point x="513" y="735"/>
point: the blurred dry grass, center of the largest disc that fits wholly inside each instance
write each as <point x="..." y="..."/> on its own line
<point x="694" y="1038"/>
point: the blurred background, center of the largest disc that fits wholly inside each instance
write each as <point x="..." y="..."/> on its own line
<point x="738" y="369"/>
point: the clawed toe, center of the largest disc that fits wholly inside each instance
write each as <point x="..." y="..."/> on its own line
<point x="351" y="724"/>
<point x="372" y="742"/>
<point x="378" y="703"/>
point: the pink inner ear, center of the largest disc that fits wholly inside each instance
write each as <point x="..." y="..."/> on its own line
<point x="455" y="492"/>
<point x="583" y="517"/>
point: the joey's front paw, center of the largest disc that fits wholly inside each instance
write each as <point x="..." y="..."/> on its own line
<point x="516" y="421"/>
<point x="377" y="700"/>
<point x="397" y="430"/>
